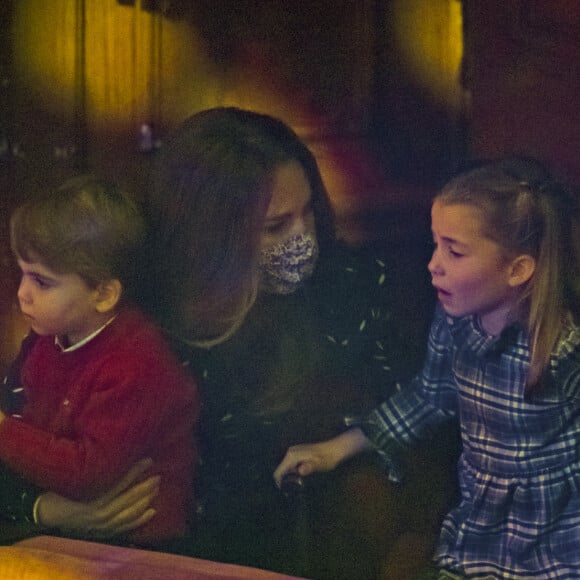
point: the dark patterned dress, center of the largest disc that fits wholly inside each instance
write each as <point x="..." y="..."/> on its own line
<point x="349" y="338"/>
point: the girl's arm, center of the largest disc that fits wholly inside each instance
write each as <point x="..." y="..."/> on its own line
<point x="324" y="456"/>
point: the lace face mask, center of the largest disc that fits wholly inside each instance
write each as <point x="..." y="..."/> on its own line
<point x="286" y="266"/>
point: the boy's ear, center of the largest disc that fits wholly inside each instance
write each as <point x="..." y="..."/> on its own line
<point x="108" y="295"/>
<point x="522" y="269"/>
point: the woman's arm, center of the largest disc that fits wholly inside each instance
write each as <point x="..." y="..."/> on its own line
<point x="124" y="507"/>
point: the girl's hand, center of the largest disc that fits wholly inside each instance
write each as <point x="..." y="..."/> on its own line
<point x="123" y="508"/>
<point x="324" y="456"/>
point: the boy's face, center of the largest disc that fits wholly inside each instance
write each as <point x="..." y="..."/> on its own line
<point x="468" y="269"/>
<point x="59" y="304"/>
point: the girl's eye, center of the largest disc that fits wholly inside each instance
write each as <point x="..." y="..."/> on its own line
<point x="455" y="253"/>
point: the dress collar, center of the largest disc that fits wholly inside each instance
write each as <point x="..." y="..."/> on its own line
<point x="468" y="333"/>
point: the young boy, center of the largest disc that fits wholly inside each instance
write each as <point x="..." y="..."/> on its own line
<point x="101" y="387"/>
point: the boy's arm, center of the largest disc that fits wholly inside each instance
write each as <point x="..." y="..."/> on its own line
<point x="17" y="496"/>
<point x="27" y="511"/>
<point x="119" y="423"/>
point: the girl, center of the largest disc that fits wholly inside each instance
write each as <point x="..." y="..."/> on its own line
<point x="504" y="358"/>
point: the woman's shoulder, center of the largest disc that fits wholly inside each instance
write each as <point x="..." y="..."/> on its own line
<point x="564" y="367"/>
<point x="567" y="351"/>
<point x="375" y="271"/>
<point x="343" y="259"/>
<point x="569" y="342"/>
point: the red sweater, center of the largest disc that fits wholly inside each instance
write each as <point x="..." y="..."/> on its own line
<point x="93" y="412"/>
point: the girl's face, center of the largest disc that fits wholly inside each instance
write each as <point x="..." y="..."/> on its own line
<point x="59" y="304"/>
<point x="470" y="271"/>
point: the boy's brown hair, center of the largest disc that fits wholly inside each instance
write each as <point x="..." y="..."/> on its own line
<point x="87" y="227"/>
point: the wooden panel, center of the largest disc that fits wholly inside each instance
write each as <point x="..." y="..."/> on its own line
<point x="523" y="71"/>
<point x="561" y="16"/>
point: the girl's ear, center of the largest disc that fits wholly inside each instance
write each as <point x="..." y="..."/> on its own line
<point x="522" y="269"/>
<point x="108" y="295"/>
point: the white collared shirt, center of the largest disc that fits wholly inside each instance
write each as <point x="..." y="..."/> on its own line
<point x="84" y="340"/>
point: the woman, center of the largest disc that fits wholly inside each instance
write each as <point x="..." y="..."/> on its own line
<point x="287" y="332"/>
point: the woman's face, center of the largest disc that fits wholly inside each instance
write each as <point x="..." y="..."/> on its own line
<point x="290" y="210"/>
<point x="288" y="244"/>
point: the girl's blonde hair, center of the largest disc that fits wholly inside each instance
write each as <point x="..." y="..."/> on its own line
<point x="209" y="197"/>
<point x="87" y="227"/>
<point x="527" y="212"/>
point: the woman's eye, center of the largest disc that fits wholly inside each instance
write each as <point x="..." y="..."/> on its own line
<point x="274" y="228"/>
<point x="41" y="282"/>
<point x="455" y="253"/>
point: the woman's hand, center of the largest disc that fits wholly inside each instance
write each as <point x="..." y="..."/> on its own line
<point x="123" y="508"/>
<point x="324" y="456"/>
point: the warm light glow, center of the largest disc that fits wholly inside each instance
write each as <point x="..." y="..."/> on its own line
<point x="133" y="60"/>
<point x="430" y="41"/>
<point x="141" y="68"/>
<point x="44" y="53"/>
<point x="139" y="64"/>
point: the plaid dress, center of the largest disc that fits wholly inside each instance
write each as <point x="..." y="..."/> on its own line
<point x="519" y="514"/>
